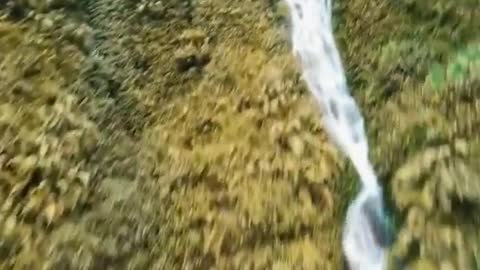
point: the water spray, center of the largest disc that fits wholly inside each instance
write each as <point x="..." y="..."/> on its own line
<point x="365" y="234"/>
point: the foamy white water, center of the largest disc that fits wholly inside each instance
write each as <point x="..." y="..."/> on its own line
<point x="364" y="235"/>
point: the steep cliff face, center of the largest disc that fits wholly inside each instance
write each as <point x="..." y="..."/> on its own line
<point x="178" y="135"/>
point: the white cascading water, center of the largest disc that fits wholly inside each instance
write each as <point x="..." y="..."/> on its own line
<point x="364" y="239"/>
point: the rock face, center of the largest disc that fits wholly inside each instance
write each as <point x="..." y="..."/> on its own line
<point x="178" y="135"/>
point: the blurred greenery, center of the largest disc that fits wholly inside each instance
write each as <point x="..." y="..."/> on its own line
<point x="225" y="164"/>
<point x="461" y="67"/>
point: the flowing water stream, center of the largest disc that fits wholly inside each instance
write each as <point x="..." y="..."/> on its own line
<point x="365" y="235"/>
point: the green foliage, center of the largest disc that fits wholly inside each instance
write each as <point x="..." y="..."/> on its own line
<point x="477" y="260"/>
<point x="436" y="76"/>
<point x="404" y="56"/>
<point x="460" y="68"/>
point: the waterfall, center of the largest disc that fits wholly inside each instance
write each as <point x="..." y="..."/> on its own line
<point x="365" y="235"/>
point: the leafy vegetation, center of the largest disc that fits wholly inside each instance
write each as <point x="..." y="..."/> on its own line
<point x="177" y="134"/>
